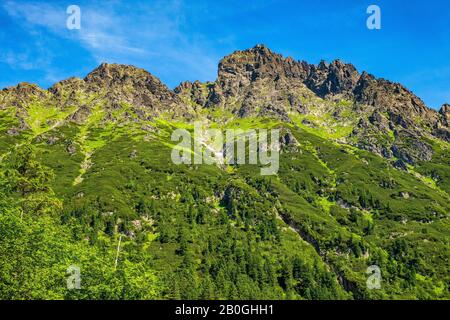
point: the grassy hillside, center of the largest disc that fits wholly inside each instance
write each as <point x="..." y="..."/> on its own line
<point x="71" y="191"/>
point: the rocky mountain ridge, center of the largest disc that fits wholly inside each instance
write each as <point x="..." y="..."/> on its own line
<point x="386" y="118"/>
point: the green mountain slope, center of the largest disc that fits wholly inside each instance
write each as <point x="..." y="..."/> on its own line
<point x="87" y="180"/>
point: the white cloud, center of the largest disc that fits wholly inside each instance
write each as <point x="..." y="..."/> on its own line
<point x="40" y="13"/>
<point x="145" y="34"/>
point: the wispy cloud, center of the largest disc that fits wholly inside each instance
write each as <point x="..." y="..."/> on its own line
<point x="39" y="13"/>
<point x="99" y="32"/>
<point x="22" y="60"/>
<point x="152" y="34"/>
<point x="32" y="55"/>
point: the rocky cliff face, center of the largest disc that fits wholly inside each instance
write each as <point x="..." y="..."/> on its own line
<point x="386" y="118"/>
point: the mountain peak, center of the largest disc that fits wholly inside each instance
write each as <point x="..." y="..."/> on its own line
<point x="261" y="49"/>
<point x="120" y="77"/>
<point x="255" y="58"/>
<point x="117" y="73"/>
<point x="260" y="62"/>
<point x="244" y="67"/>
<point x="115" y="84"/>
<point x="26" y="88"/>
<point x="24" y="91"/>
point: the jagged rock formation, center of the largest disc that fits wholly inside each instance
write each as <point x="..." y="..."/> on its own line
<point x="288" y="142"/>
<point x="445" y="113"/>
<point x="441" y="128"/>
<point x="258" y="82"/>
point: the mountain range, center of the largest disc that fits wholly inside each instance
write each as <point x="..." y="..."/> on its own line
<point x="87" y="180"/>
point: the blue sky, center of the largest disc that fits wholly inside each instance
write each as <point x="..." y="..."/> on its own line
<point x="184" y="40"/>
